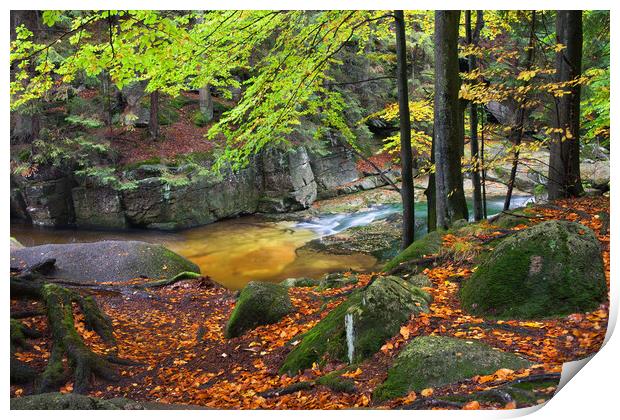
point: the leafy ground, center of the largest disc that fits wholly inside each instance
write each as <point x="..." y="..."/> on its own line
<point x="176" y="334"/>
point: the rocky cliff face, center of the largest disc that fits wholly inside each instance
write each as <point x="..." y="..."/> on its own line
<point x="276" y="181"/>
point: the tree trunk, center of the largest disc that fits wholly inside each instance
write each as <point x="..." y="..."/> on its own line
<point x="153" y="114"/>
<point x="451" y="204"/>
<point x="206" y="103"/>
<point x="431" y="194"/>
<point x="483" y="169"/>
<point x="518" y="130"/>
<point x="406" y="155"/>
<point x="473" y="120"/>
<point x="564" y="173"/>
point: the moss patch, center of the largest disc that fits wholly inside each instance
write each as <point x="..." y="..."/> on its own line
<point x="258" y="304"/>
<point x="429" y="244"/>
<point x="551" y="269"/>
<point x="429" y="362"/>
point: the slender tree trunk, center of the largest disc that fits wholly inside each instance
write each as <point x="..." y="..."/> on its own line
<point x="473" y="122"/>
<point x="483" y="169"/>
<point x="451" y="204"/>
<point x="518" y="131"/>
<point x="564" y="173"/>
<point x="406" y="155"/>
<point x="153" y="114"/>
<point x="206" y="102"/>
<point x="431" y="194"/>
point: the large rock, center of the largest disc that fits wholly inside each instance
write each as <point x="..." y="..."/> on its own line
<point x="596" y="173"/>
<point x="553" y="268"/>
<point x="288" y="181"/>
<point x="359" y="326"/>
<point x="381" y="239"/>
<point x="98" y="208"/>
<point x="333" y="169"/>
<point x="48" y="202"/>
<point x="15" y="244"/>
<point x="259" y="304"/>
<point x="156" y="204"/>
<point x="135" y="113"/>
<point x="18" y="205"/>
<point x="429" y="362"/>
<point x="427" y="245"/>
<point x="106" y="260"/>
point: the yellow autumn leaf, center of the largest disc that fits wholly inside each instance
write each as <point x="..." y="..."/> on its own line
<point x="427" y="392"/>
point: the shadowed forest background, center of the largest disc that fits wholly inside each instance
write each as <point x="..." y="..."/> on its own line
<point x="306" y="209"/>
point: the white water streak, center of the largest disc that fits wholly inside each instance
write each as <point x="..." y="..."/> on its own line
<point x="348" y="326"/>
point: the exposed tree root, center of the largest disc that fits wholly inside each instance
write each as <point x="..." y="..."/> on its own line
<point x="67" y="342"/>
<point x="424" y="403"/>
<point x="410" y="267"/>
<point x="278" y="392"/>
<point x="186" y="275"/>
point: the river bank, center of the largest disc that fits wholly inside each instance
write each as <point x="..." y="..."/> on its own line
<point x="270" y="247"/>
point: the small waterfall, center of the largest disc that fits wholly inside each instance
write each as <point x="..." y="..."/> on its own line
<point x="348" y="326"/>
<point x="334" y="223"/>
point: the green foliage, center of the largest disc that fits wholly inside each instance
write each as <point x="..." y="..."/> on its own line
<point x="106" y="177"/>
<point x="83" y="121"/>
<point x="595" y="107"/>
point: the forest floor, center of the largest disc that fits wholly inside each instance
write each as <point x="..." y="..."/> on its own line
<point x="176" y="334"/>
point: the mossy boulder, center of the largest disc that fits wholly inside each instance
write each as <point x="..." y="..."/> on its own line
<point x="420" y="280"/>
<point x="259" y="303"/>
<point x="336" y="281"/>
<point x="551" y="269"/>
<point x="512" y="218"/>
<point x="429" y="362"/>
<point x="358" y="327"/>
<point x="106" y="260"/>
<point x="381" y="239"/>
<point x="300" y="282"/>
<point x="427" y="245"/>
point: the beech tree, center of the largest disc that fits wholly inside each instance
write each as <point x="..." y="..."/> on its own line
<point x="406" y="156"/>
<point x="564" y="173"/>
<point x="450" y="196"/>
<point x="472" y="39"/>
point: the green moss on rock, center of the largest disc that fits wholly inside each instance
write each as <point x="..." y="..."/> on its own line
<point x="551" y="269"/>
<point x="427" y="245"/>
<point x="429" y="362"/>
<point x="259" y="304"/>
<point x="337" y="383"/>
<point x="373" y="315"/>
<point x="300" y="282"/>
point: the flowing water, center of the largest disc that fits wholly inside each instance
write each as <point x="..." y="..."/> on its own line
<point x="235" y="251"/>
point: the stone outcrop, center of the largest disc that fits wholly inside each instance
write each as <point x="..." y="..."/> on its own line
<point x="288" y="181"/>
<point x="158" y="196"/>
<point x="333" y="170"/>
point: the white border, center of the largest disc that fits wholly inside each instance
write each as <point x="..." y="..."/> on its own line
<point x="592" y="395"/>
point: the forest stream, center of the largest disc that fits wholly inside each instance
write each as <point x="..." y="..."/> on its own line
<point x="232" y="252"/>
